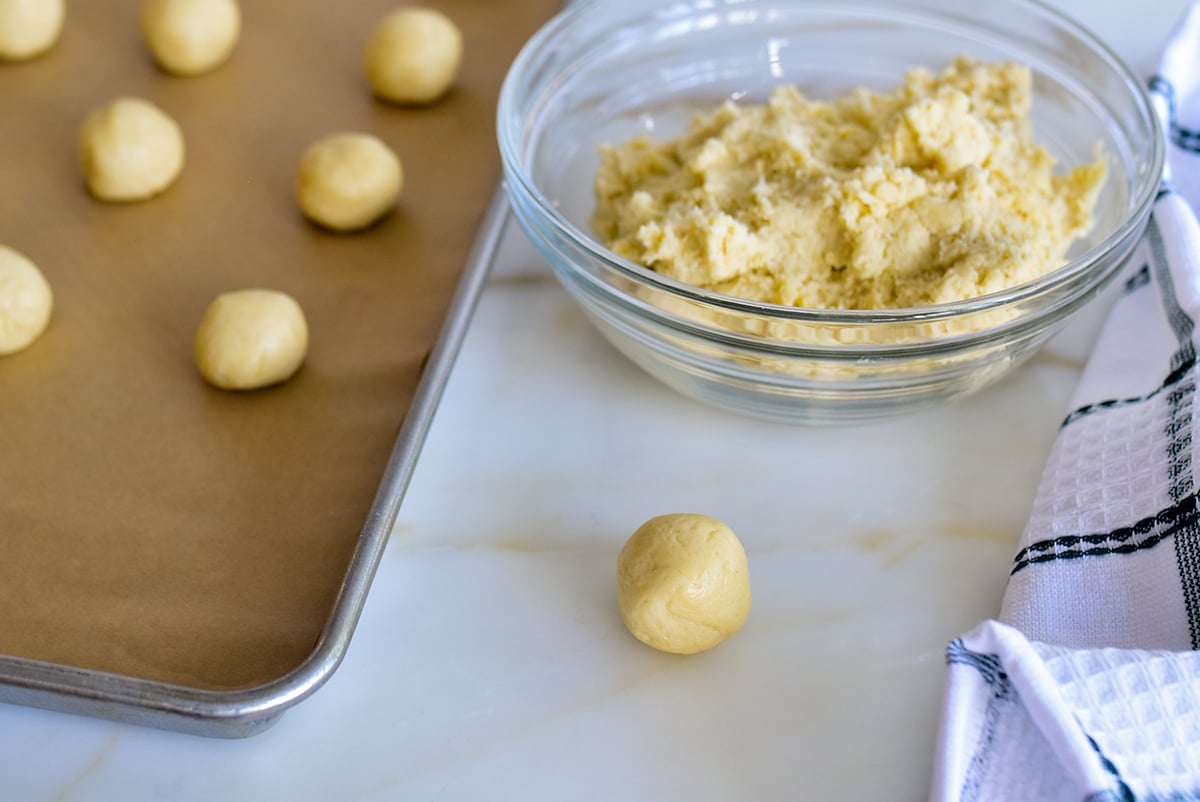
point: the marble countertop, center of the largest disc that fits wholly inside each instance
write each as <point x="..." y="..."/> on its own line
<point x="490" y="662"/>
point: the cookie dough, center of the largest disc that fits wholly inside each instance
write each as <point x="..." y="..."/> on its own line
<point x="347" y="182"/>
<point x="29" y="28"/>
<point x="189" y="37"/>
<point x="250" y="339"/>
<point x="130" y="150"/>
<point x="932" y="193"/>
<point x="25" y="302"/>
<point x="413" y="55"/>
<point x="683" y="584"/>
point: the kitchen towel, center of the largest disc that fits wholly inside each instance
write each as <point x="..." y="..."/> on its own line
<point x="1087" y="688"/>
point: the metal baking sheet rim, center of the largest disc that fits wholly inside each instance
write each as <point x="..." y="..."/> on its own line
<point x="245" y="712"/>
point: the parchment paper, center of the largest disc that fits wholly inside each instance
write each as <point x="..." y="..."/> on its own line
<point x="150" y="525"/>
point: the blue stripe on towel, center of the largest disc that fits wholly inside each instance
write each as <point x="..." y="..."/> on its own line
<point x="1003" y="693"/>
<point x="1183" y="138"/>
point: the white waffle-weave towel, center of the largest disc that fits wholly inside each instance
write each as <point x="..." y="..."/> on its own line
<point x="1087" y="688"/>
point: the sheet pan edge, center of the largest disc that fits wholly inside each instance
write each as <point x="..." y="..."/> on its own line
<point x="245" y="712"/>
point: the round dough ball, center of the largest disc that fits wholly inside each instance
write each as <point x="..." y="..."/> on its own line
<point x="188" y="37"/>
<point x="29" y="28"/>
<point x="25" y="302"/>
<point x="348" y="181"/>
<point x="250" y="339"/>
<point x="130" y="150"/>
<point x="413" y="55"/>
<point x="683" y="584"/>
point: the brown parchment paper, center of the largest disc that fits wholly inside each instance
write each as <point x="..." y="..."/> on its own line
<point x="150" y="525"/>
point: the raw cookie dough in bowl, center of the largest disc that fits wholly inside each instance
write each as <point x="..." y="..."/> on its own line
<point x="130" y="150"/>
<point x="25" y="302"/>
<point x="28" y="28"/>
<point x="592" y="79"/>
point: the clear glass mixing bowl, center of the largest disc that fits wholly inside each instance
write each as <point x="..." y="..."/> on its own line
<point x="597" y="75"/>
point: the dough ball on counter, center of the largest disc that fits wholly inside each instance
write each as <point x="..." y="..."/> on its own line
<point x="683" y="583"/>
<point x="29" y="28"/>
<point x="188" y="37"/>
<point x="413" y="55"/>
<point x="130" y="150"/>
<point x="348" y="181"/>
<point x="250" y="339"/>
<point x="25" y="302"/>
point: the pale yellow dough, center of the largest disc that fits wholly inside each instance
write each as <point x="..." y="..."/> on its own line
<point x="934" y="192"/>
<point x="130" y="150"/>
<point x="250" y="339"/>
<point x="189" y="37"/>
<point x="683" y="584"/>
<point x="25" y="302"/>
<point x="414" y="55"/>
<point x="348" y="181"/>
<point x="29" y="28"/>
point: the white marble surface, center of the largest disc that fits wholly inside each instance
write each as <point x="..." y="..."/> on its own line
<point x="490" y="662"/>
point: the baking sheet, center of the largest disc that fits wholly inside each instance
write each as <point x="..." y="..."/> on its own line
<point x="153" y="527"/>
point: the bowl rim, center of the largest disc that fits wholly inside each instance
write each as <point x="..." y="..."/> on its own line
<point x="1145" y="185"/>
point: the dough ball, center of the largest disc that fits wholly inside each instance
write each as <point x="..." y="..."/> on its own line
<point x="188" y="37"/>
<point x="413" y="55"/>
<point x="130" y="150"/>
<point x="348" y="181"/>
<point x="683" y="583"/>
<point x="29" y="28"/>
<point x="250" y="339"/>
<point x="25" y="302"/>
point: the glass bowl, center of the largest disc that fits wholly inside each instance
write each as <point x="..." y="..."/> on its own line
<point x="597" y="74"/>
